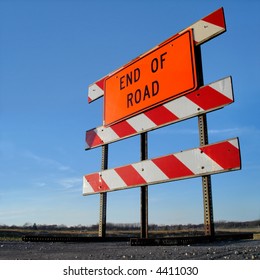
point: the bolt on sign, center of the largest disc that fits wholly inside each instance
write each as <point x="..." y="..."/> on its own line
<point x="159" y="76"/>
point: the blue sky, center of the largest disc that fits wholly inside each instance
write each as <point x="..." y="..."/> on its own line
<point x="50" y="52"/>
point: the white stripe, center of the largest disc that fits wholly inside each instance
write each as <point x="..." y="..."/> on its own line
<point x="149" y="171"/>
<point x="87" y="189"/>
<point x="198" y="162"/>
<point x="141" y="122"/>
<point x="203" y="30"/>
<point x="94" y="91"/>
<point x="182" y="107"/>
<point x="106" y="134"/>
<point x="224" y="86"/>
<point x="112" y="179"/>
<point x="234" y="142"/>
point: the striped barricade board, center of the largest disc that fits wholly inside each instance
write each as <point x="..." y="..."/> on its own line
<point x="209" y="159"/>
<point x="203" y="100"/>
<point x="203" y="30"/>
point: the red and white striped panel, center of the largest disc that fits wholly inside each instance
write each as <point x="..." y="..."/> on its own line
<point x="203" y="100"/>
<point x="210" y="159"/>
<point x="203" y="30"/>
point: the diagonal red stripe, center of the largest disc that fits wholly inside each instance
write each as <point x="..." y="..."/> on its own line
<point x="101" y="83"/>
<point x="224" y="154"/>
<point x="123" y="129"/>
<point x="96" y="182"/>
<point x="130" y="176"/>
<point x="172" y="167"/>
<point x="160" y="115"/>
<point x="216" y="18"/>
<point x="92" y="139"/>
<point x="207" y="98"/>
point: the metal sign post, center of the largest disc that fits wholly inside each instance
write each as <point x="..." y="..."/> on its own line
<point x="206" y="182"/>
<point x="103" y="196"/>
<point x="144" y="189"/>
<point x="203" y="140"/>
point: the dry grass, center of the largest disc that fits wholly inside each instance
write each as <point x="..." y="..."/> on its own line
<point x="239" y="230"/>
<point x="256" y="236"/>
<point x="16" y="234"/>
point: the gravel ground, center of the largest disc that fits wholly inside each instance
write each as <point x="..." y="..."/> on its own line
<point x="232" y="250"/>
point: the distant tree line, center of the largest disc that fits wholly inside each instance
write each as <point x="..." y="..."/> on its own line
<point x="135" y="226"/>
<point x="248" y="224"/>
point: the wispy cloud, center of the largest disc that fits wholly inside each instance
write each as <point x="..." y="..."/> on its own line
<point x="59" y="183"/>
<point x="54" y="176"/>
<point x="46" y="161"/>
<point x="236" y="130"/>
<point x="224" y="131"/>
<point x="228" y="130"/>
<point x="41" y="184"/>
<point x="70" y="183"/>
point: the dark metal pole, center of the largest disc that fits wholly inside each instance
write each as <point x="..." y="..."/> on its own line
<point x="103" y="196"/>
<point x="206" y="183"/>
<point x="144" y="189"/>
<point x="203" y="137"/>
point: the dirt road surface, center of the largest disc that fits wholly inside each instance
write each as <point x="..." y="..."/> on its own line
<point x="228" y="250"/>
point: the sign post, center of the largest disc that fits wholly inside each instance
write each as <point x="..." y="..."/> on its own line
<point x="103" y="196"/>
<point x="203" y="139"/>
<point x="144" y="189"/>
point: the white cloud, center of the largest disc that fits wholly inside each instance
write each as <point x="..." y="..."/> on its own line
<point x="46" y="161"/>
<point x="236" y="130"/>
<point x="70" y="182"/>
<point x="58" y="183"/>
<point x="229" y="130"/>
<point x="225" y="130"/>
<point x="41" y="184"/>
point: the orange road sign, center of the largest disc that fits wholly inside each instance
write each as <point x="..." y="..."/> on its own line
<point x="159" y="76"/>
